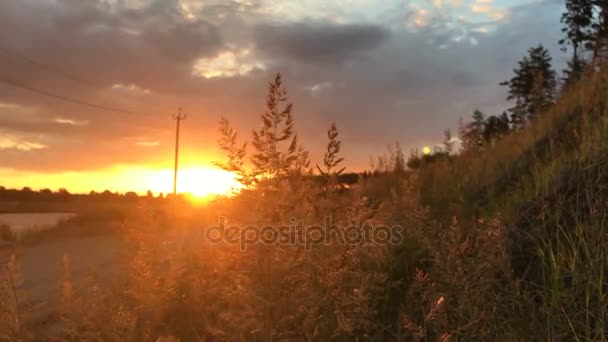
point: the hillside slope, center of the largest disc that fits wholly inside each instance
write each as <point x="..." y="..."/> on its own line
<point x="548" y="183"/>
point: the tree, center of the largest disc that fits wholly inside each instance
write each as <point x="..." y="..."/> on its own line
<point x="472" y="133"/>
<point x="598" y="39"/>
<point x="398" y="160"/>
<point x="495" y="128"/>
<point x="448" y="143"/>
<point x="131" y="195"/>
<point x="577" y="20"/>
<point x="533" y="86"/>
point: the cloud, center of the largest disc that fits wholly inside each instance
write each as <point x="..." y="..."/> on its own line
<point x="421" y="18"/>
<point x="65" y="121"/>
<point x="227" y="64"/>
<point x="317" y="88"/>
<point x="488" y="8"/>
<point x="133" y="88"/>
<point x="13" y="142"/>
<point x="318" y="42"/>
<point x="94" y="42"/>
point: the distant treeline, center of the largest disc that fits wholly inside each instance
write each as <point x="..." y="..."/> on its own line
<point x="27" y="193"/>
<point x="45" y="200"/>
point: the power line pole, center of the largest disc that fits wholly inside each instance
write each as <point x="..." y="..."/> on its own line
<point x="179" y="117"/>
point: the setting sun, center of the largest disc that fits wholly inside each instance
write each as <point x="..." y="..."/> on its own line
<point x="199" y="181"/>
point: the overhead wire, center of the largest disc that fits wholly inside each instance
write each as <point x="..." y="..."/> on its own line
<point x="69" y="76"/>
<point x="21" y="85"/>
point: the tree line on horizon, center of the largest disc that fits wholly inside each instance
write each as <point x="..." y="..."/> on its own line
<point x="28" y="194"/>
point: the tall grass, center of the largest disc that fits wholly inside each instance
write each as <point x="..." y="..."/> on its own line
<point x="547" y="185"/>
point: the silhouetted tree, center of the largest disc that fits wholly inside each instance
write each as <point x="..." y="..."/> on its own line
<point x="398" y="160"/>
<point x="448" y="143"/>
<point x="599" y="30"/>
<point x="130" y="195"/>
<point x="472" y="133"/>
<point x="495" y="128"/>
<point x="577" y="20"/>
<point x="533" y="86"/>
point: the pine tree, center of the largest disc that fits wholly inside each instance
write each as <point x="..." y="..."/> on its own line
<point x="533" y="86"/>
<point x="398" y="160"/>
<point x="448" y="143"/>
<point x="495" y="128"/>
<point x="519" y="87"/>
<point x="598" y="39"/>
<point x="577" y="20"/>
<point x="574" y="71"/>
<point x="472" y="133"/>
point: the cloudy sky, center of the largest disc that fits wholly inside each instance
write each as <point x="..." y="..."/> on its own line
<point x="384" y="71"/>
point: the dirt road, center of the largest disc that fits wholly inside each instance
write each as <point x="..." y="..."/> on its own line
<point x="42" y="268"/>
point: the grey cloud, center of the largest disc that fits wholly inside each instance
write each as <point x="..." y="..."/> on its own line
<point x="79" y="37"/>
<point x="318" y="42"/>
<point x="184" y="42"/>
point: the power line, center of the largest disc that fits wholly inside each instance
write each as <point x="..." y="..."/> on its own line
<point x="17" y="84"/>
<point x="46" y="67"/>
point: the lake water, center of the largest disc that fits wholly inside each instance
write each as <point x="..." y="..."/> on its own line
<point x="24" y="222"/>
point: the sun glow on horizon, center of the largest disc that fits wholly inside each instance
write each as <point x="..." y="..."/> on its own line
<point x="200" y="182"/>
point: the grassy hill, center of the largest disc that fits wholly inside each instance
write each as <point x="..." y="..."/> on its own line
<point x="548" y="185"/>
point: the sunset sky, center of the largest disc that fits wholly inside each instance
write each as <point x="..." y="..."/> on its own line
<point x="384" y="71"/>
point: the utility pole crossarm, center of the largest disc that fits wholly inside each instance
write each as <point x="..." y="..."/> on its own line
<point x="178" y="118"/>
